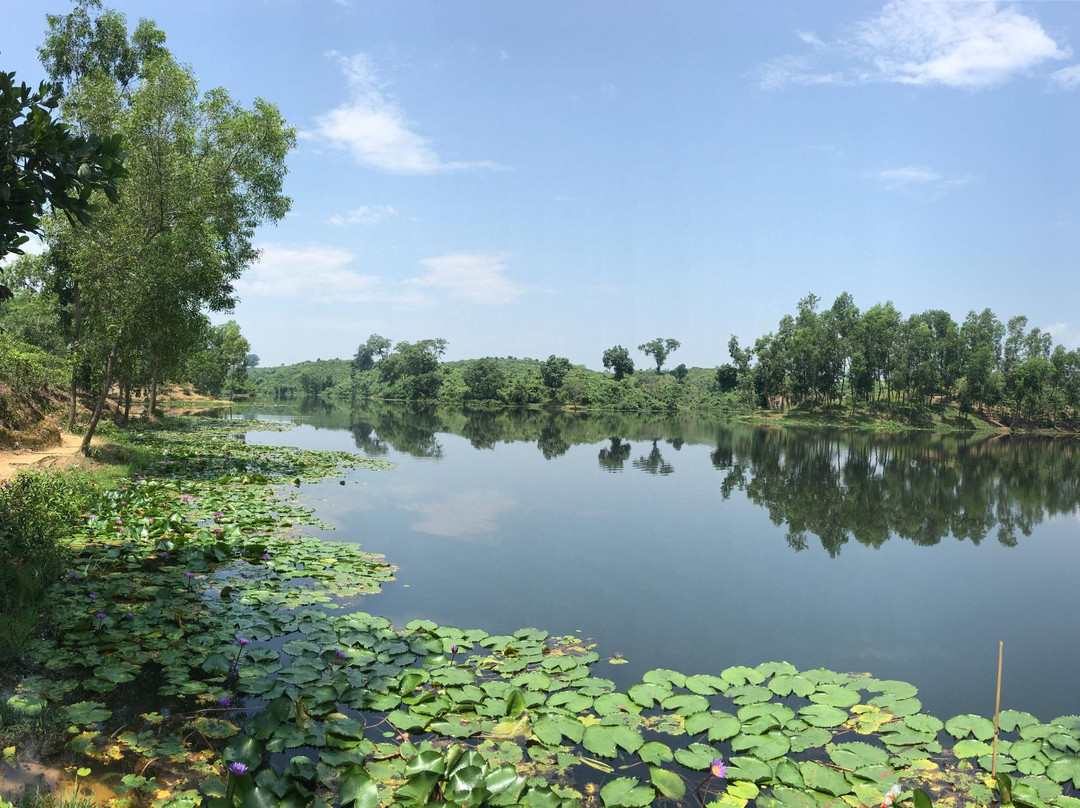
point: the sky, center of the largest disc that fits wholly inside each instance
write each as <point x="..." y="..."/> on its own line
<point x="558" y="177"/>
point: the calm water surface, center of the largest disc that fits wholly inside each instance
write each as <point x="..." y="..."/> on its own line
<point x="696" y="545"/>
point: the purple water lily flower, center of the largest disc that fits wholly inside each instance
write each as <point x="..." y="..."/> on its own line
<point x="238" y="768"/>
<point x="225" y="701"/>
<point x="718" y="768"/>
<point x="241" y="641"/>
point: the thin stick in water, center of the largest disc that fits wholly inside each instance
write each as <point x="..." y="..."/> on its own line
<point x="997" y="709"/>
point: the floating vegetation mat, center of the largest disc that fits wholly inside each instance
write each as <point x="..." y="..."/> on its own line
<point x="202" y="651"/>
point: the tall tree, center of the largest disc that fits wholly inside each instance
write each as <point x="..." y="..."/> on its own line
<point x="617" y="359"/>
<point x="659" y="349"/>
<point x="553" y="371"/>
<point x="203" y="172"/>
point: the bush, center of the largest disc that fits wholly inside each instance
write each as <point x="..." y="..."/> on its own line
<point x="36" y="511"/>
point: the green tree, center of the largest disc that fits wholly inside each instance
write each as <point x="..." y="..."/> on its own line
<point x="617" y="359"/>
<point x="680" y="373"/>
<point x="44" y="164"/>
<point x="221" y="361"/>
<point x="413" y="368"/>
<point x="203" y="173"/>
<point x="659" y="349"/>
<point x="375" y="348"/>
<point x="484" y="379"/>
<point x="553" y="371"/>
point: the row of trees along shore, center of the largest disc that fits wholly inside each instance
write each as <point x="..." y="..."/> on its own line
<point x="122" y="292"/>
<point x="817" y="358"/>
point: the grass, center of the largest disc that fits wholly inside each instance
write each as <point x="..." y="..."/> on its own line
<point x="880" y="417"/>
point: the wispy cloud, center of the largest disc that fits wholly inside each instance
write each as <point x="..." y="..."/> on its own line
<point x="1068" y="78"/>
<point x="316" y="273"/>
<point x="312" y="273"/>
<point x="471" y="277"/>
<point x="365" y="214"/>
<point x="915" y="177"/>
<point x="955" y="44"/>
<point x="1065" y="334"/>
<point x="373" y="127"/>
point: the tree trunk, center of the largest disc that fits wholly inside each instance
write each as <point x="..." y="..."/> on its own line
<point x="153" y="397"/>
<point x="127" y="404"/>
<point x="85" y="447"/>
<point x="76" y="327"/>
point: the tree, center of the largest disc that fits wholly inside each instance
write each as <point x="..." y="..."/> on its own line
<point x="484" y="379"/>
<point x="414" y="368"/>
<point x="43" y="164"/>
<point x="659" y="349"/>
<point x="251" y="360"/>
<point x="727" y="377"/>
<point x="618" y="359"/>
<point x="221" y="361"/>
<point x="376" y="347"/>
<point x="202" y="174"/>
<point x="553" y="372"/>
<point x="680" y="372"/>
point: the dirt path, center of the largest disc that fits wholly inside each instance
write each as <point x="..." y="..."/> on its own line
<point x="62" y="456"/>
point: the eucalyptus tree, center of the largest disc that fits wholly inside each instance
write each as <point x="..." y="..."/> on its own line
<point x="203" y="172"/>
<point x="981" y="335"/>
<point x="659" y="349"/>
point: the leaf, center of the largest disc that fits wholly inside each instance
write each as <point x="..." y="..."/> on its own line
<point x="822" y="778"/>
<point x="822" y="715"/>
<point x="626" y="792"/>
<point x="975" y="725"/>
<point x="921" y="799"/>
<point x="748" y="768"/>
<point x="969" y="748"/>
<point x="655" y="753"/>
<point x="1063" y="769"/>
<point x="667" y="783"/>
<point x="705" y="685"/>
<point x="357" y="788"/>
<point x="856" y="754"/>
<point x="599" y="740"/>
<point x="836" y="696"/>
<point x="87" y="712"/>
<point x="515" y="703"/>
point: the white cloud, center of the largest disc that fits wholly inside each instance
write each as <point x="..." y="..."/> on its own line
<point x="33" y="246"/>
<point x="372" y="126"/>
<point x="472" y="277"/>
<point x="1068" y="78"/>
<point x="365" y="214"/>
<point x="1064" y="334"/>
<point x="315" y="274"/>
<point x="907" y="178"/>
<point x="916" y="42"/>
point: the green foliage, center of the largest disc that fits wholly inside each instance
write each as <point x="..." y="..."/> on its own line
<point x="221" y="361"/>
<point x="43" y="164"/>
<point x="36" y="510"/>
<point x="617" y="359"/>
<point x="553" y="372"/>
<point x="484" y="379"/>
<point x="658" y="349"/>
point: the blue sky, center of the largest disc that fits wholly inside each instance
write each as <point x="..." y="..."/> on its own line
<point x="560" y="177"/>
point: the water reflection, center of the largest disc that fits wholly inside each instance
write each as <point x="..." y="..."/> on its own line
<point x="839" y="486"/>
<point x="831" y="486"/>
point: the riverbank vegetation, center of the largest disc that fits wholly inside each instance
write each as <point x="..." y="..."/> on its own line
<point x="198" y="649"/>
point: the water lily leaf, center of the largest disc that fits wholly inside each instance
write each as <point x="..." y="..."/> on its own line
<point x="923" y="723"/>
<point x="768" y="669"/>
<point x="747" y="768"/>
<point x="1010" y="720"/>
<point x="705" y="685"/>
<point x="697" y="756"/>
<point x="786" y="684"/>
<point x="822" y="778"/>
<point x="215" y="727"/>
<point x="685" y="705"/>
<point x="626" y="792"/>
<point x="763" y="747"/>
<point x="901" y="690"/>
<point x="1063" y="769"/>
<point x="822" y="715"/>
<point x="836" y="696"/>
<point x="611" y="703"/>
<point x="515" y="704"/>
<point x="896" y="705"/>
<point x="856" y="755"/>
<point x="783" y="797"/>
<point x="719" y="726"/>
<point x="739" y="675"/>
<point x="809" y="739"/>
<point x="648" y="693"/>
<point x="961" y="726"/>
<point x="599" y="740"/>
<point x="656" y="753"/>
<point x="749" y="694"/>
<point x="87" y="712"/>
<point x="662" y="676"/>
<point x="667" y="783"/>
<point x="970" y="748"/>
<point x="787" y="772"/>
<point x="357" y="789"/>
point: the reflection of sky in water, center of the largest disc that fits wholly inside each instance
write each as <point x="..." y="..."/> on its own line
<point x="662" y="569"/>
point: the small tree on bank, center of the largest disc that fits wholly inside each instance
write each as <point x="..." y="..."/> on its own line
<point x="617" y="359"/>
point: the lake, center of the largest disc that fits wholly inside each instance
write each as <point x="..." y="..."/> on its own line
<point x="693" y="544"/>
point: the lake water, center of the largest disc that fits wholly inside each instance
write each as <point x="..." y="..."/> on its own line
<point x="695" y="545"/>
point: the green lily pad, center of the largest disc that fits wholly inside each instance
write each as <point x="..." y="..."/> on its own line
<point x="822" y="715"/>
<point x="626" y="792"/>
<point x="976" y="726"/>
